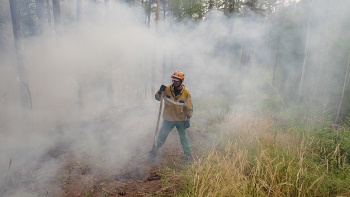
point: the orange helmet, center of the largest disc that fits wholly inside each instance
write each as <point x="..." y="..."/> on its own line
<point x="179" y="75"/>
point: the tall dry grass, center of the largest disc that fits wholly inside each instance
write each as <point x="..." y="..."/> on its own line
<point x="255" y="159"/>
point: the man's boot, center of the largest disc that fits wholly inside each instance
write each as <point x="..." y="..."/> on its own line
<point x="189" y="158"/>
<point x="153" y="155"/>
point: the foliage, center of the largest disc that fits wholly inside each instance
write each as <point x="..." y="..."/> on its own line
<point x="255" y="159"/>
<point x="181" y="9"/>
<point x="337" y="138"/>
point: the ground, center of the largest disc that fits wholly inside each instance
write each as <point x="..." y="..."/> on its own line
<point x="76" y="176"/>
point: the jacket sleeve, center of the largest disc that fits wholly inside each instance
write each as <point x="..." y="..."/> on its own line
<point x="157" y="95"/>
<point x="189" y="105"/>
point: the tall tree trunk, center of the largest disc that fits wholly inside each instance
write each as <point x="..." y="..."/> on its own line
<point x="48" y="11"/>
<point x="252" y="4"/>
<point x="324" y="53"/>
<point x="164" y="9"/>
<point x="226" y="9"/>
<point x="301" y="83"/>
<point x="211" y="4"/>
<point x="92" y="8"/>
<point x="40" y="9"/>
<point x="25" y="97"/>
<point x="78" y="11"/>
<point x="244" y="62"/>
<point x="149" y="7"/>
<point x="232" y="10"/>
<point x="267" y="33"/>
<point x="229" y="7"/>
<point x="110" y="91"/>
<point x="153" y="76"/>
<point x="157" y="13"/>
<point x="56" y="13"/>
<point x="276" y="60"/>
<point x="245" y="56"/>
<point x="344" y="86"/>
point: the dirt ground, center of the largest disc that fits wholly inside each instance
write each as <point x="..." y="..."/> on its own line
<point x="138" y="178"/>
<point x="77" y="177"/>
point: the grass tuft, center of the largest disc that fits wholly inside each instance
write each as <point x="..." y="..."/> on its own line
<point x="256" y="157"/>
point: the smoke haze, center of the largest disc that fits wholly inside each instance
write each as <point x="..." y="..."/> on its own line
<point x="92" y="85"/>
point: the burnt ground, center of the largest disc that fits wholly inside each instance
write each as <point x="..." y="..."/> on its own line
<point x="86" y="175"/>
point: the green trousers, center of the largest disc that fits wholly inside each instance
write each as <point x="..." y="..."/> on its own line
<point x="167" y="126"/>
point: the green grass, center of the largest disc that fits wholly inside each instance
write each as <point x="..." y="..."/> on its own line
<point x="256" y="156"/>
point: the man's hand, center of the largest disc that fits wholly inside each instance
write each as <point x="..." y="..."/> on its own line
<point x="162" y="88"/>
<point x="187" y="124"/>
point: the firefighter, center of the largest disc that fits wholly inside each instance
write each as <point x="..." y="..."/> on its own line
<point x="177" y="113"/>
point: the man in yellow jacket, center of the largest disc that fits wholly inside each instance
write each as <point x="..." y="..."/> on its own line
<point x="177" y="113"/>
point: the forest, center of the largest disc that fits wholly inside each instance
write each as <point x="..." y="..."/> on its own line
<point x="269" y="81"/>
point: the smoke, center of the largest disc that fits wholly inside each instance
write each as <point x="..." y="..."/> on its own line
<point x="92" y="82"/>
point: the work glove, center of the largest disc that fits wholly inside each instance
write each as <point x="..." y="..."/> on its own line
<point x="187" y="124"/>
<point x="161" y="89"/>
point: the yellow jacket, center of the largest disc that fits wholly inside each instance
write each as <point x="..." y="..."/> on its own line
<point x="176" y="108"/>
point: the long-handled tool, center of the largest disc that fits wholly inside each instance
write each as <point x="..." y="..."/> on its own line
<point x="159" y="113"/>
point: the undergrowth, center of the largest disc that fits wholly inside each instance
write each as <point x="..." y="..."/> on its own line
<point x="256" y="155"/>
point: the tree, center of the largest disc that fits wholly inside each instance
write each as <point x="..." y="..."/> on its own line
<point x="193" y="9"/>
<point x="48" y="11"/>
<point x="41" y="14"/>
<point x="301" y="83"/>
<point x="78" y="10"/>
<point x="25" y="98"/>
<point x="56" y="13"/>
<point x="158" y="10"/>
<point x="3" y="19"/>
<point x="343" y="92"/>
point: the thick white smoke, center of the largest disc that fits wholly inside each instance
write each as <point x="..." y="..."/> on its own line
<point x="92" y="83"/>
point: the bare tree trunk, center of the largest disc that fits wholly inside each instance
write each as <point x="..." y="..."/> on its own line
<point x="148" y="18"/>
<point x="40" y="9"/>
<point x="245" y="56"/>
<point x="324" y="53"/>
<point x="48" y="11"/>
<point x="301" y="83"/>
<point x="157" y="13"/>
<point x="276" y="60"/>
<point x="56" y="13"/>
<point x="80" y="96"/>
<point x="244" y="62"/>
<point x="267" y="33"/>
<point x="164" y="10"/>
<point x="232" y="7"/>
<point x="106" y="4"/>
<point x="153" y="76"/>
<point x="211" y="4"/>
<point x="110" y="92"/>
<point x="226" y="8"/>
<point x="78" y="11"/>
<point x="347" y="82"/>
<point x="25" y="97"/>
<point x="344" y="86"/>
